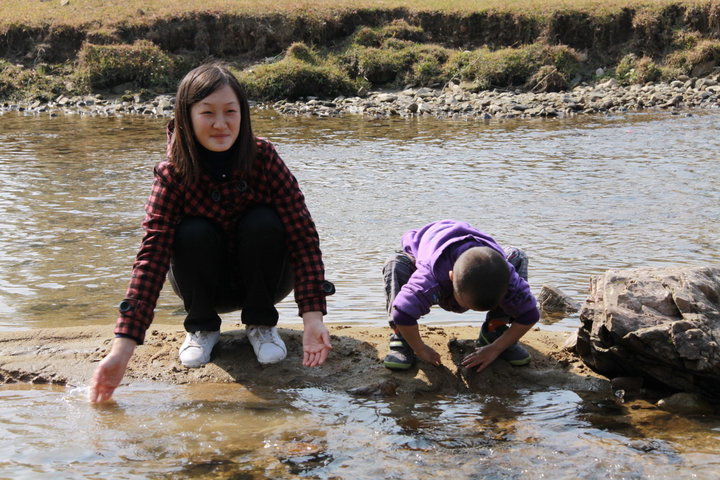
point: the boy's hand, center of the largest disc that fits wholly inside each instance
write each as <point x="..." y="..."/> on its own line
<point x="411" y="334"/>
<point x="427" y="354"/>
<point x="481" y="358"/>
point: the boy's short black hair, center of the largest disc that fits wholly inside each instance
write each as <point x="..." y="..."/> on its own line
<point x="481" y="275"/>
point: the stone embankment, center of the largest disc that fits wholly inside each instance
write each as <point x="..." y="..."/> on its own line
<point x="455" y="102"/>
<point x="450" y="102"/>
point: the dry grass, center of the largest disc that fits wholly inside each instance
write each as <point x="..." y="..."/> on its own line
<point x="393" y="54"/>
<point x="103" y="12"/>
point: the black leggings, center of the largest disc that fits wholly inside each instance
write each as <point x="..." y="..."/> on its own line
<point x="209" y="282"/>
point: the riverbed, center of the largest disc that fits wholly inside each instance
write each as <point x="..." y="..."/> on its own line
<point x="579" y="195"/>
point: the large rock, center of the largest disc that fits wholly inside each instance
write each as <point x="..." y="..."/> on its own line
<point x="659" y="323"/>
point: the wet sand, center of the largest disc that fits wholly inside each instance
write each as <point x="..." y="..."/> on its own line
<point x="68" y="356"/>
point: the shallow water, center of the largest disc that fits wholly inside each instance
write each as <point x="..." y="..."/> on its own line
<point x="229" y="431"/>
<point x="580" y="196"/>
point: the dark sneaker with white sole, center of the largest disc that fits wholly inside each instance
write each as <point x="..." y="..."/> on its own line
<point x="515" y="354"/>
<point x="401" y="356"/>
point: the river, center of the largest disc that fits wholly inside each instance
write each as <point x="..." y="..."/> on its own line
<point x="579" y="195"/>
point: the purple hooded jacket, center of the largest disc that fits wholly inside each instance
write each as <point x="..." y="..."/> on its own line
<point x="435" y="248"/>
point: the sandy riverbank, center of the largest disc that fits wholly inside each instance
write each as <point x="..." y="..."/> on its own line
<point x="69" y="355"/>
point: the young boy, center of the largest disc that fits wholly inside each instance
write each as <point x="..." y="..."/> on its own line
<point x="451" y="264"/>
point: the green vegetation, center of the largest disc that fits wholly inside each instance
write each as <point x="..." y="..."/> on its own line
<point x="341" y="47"/>
<point x="142" y="64"/>
<point x="301" y="73"/>
<point x="389" y="56"/>
<point x="632" y="69"/>
<point x="508" y="67"/>
<point x="42" y="83"/>
<point x="698" y="60"/>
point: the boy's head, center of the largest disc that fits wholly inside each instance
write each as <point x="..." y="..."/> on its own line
<point x="480" y="278"/>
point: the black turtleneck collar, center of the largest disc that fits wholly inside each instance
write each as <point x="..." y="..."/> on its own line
<point x="217" y="164"/>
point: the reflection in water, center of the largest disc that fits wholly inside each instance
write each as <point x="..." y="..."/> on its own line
<point x="228" y="431"/>
<point x="580" y="196"/>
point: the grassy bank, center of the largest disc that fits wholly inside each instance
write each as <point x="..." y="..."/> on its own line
<point x="329" y="48"/>
<point x="80" y="12"/>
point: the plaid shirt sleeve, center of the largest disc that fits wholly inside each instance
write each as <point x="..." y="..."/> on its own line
<point x="153" y="258"/>
<point x="302" y="236"/>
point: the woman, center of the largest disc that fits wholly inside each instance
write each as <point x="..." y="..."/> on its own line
<point x="227" y="223"/>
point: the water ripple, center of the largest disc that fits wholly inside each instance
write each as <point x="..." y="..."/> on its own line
<point x="580" y="196"/>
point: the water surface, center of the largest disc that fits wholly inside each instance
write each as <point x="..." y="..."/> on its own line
<point x="230" y="431"/>
<point x="580" y="196"/>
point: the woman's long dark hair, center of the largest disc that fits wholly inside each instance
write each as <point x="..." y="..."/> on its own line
<point x="198" y="84"/>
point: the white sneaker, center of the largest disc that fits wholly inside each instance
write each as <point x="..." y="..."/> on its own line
<point x="195" y="350"/>
<point x="268" y="346"/>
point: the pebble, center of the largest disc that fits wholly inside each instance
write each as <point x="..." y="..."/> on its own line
<point x="451" y="101"/>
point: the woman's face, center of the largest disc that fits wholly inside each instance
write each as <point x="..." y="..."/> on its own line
<point x="216" y="119"/>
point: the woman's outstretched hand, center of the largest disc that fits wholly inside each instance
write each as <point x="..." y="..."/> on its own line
<point x="316" y="340"/>
<point x="110" y="370"/>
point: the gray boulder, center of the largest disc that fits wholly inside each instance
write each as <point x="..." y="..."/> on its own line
<point x="662" y="324"/>
<point x="553" y="300"/>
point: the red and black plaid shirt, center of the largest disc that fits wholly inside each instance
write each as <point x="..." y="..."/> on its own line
<point x="270" y="183"/>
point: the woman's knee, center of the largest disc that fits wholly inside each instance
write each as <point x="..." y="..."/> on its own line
<point x="261" y="230"/>
<point x="261" y="219"/>
<point x="195" y="233"/>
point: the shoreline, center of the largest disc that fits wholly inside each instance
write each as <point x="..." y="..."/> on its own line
<point x="68" y="356"/>
<point x="451" y="102"/>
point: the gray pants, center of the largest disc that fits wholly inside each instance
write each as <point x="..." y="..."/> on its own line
<point x="400" y="267"/>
